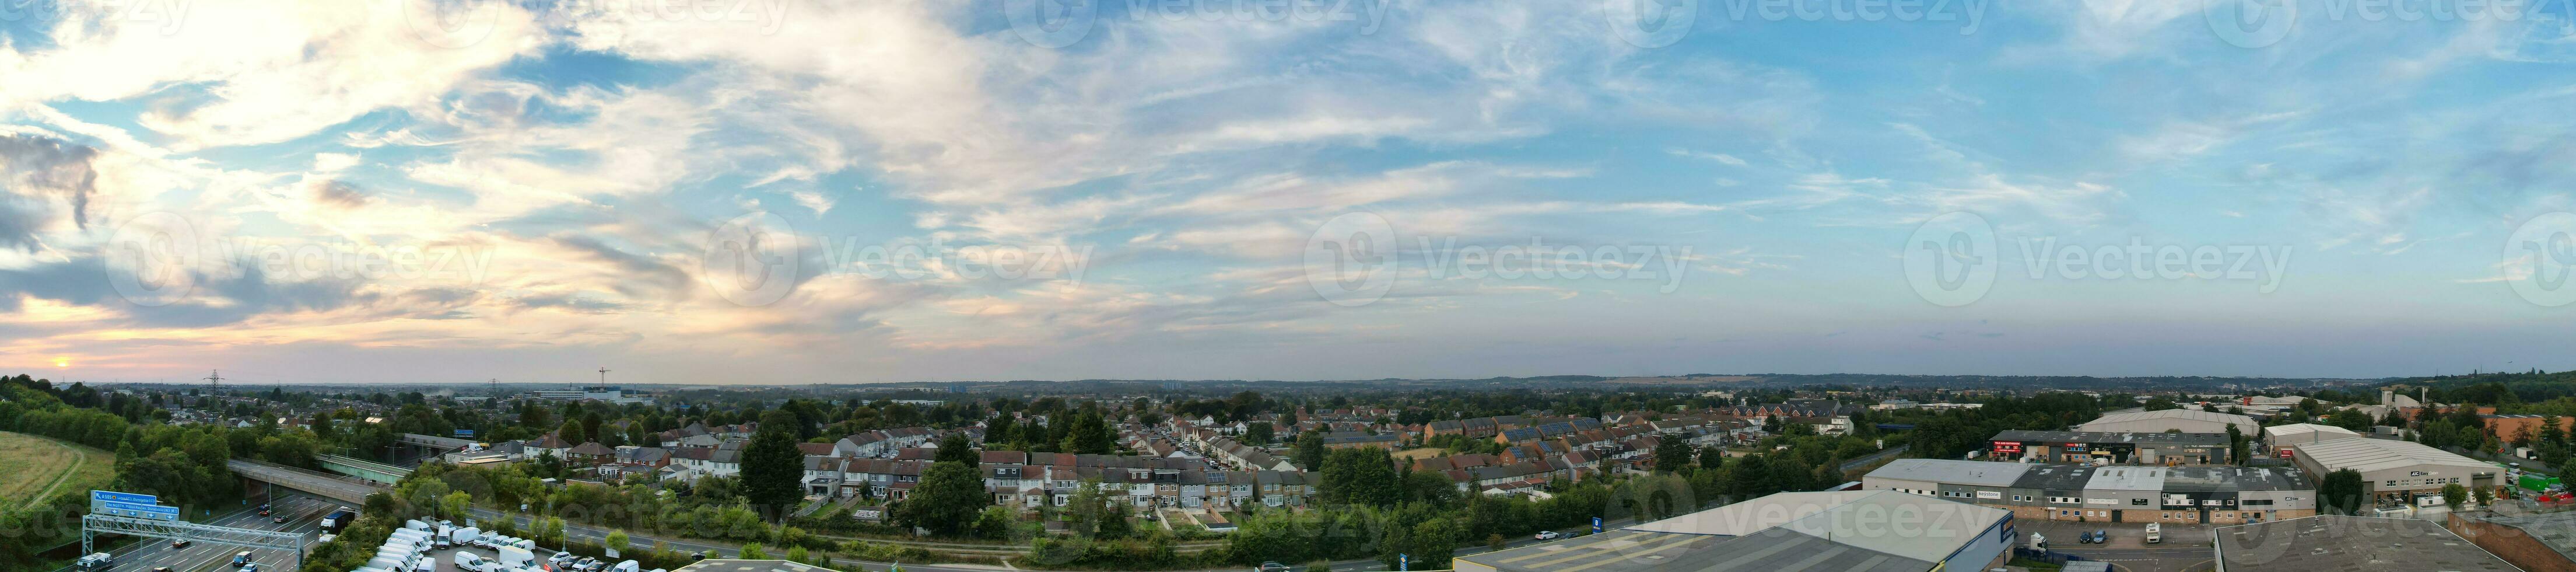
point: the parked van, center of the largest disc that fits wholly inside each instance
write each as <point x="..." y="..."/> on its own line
<point x="2155" y="533"/>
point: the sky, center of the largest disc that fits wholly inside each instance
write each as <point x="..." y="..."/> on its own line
<point x="784" y="191"/>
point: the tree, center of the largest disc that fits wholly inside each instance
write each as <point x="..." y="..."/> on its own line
<point x="2485" y="496"/>
<point x="2453" y="495"/>
<point x="616" y="540"/>
<point x="1672" y="454"/>
<point x="1309" y="451"/>
<point x="2340" y="493"/>
<point x="773" y="469"/>
<point x="1361" y="476"/>
<point x="2160" y="404"/>
<point x="570" y="433"/>
<point x="1257" y="433"/>
<point x="2236" y="448"/>
<point x="2352" y="419"/>
<point x="1711" y="457"/>
<point x="946" y="500"/>
<point x="956" y="447"/>
<point x="1433" y="542"/>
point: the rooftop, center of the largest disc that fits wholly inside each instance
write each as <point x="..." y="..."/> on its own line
<point x="2333" y="542"/>
<point x="2118" y="478"/>
<point x="2211" y="439"/>
<point x="1954" y="471"/>
<point x="729" y="565"/>
<point x="2557" y="530"/>
<point x="2367" y="455"/>
<point x="1848" y="530"/>
<point x="2192" y="414"/>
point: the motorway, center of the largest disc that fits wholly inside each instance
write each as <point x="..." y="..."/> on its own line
<point x="303" y="512"/>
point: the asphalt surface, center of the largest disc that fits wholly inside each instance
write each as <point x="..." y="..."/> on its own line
<point x="304" y="514"/>
<point x="346" y="490"/>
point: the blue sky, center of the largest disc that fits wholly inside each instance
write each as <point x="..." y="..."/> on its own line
<point x="394" y="190"/>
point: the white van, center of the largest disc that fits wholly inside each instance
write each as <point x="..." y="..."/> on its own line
<point x="468" y="561"/>
<point x="2155" y="533"/>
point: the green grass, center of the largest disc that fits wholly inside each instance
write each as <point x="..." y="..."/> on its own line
<point x="45" y="468"/>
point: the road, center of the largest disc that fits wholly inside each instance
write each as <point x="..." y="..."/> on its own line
<point x="304" y="514"/>
<point x="1853" y="464"/>
<point x="346" y="490"/>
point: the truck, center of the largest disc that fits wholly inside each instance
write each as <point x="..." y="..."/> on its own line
<point x="338" y="520"/>
<point x="2536" y="482"/>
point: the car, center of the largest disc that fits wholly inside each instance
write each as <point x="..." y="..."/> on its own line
<point x="1548" y="535"/>
<point x="281" y="519"/>
<point x="253" y="567"/>
<point x="2102" y="537"/>
<point x="264" y="512"/>
<point x="586" y="563"/>
<point x="181" y="543"/>
<point x="2086" y="538"/>
<point x="561" y="557"/>
<point x="1271" y="567"/>
<point x="162" y="569"/>
<point x="241" y="559"/>
<point x="701" y="555"/>
<point x="263" y="506"/>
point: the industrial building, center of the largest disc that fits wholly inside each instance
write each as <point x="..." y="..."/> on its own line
<point x="2398" y="473"/>
<point x="2528" y="540"/>
<point x="1863" y="531"/>
<point x="2334" y="542"/>
<point x="2111" y="448"/>
<point x="2185" y="495"/>
<point x="2182" y="420"/>
<point x="2284" y="440"/>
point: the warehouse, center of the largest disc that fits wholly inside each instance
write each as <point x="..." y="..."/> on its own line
<point x="2183" y="420"/>
<point x="2183" y="495"/>
<point x="1866" y="531"/>
<point x="2398" y="473"/>
<point x="2283" y="439"/>
<point x="2333" y="542"/>
<point x="2111" y="448"/>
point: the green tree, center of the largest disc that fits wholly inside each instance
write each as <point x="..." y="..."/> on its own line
<point x="2485" y="496"/>
<point x="946" y="500"/>
<point x="1361" y="476"/>
<point x="1257" y="433"/>
<point x="956" y="448"/>
<point x="2236" y="448"/>
<point x="753" y="552"/>
<point x="2349" y="419"/>
<point x="2453" y="495"/>
<point x="1308" y="453"/>
<point x="773" y="469"/>
<point x="1432" y="543"/>
<point x="617" y="541"/>
<point x="2340" y="493"/>
<point x="1672" y="454"/>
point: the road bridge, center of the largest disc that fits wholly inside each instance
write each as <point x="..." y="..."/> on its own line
<point x="369" y="471"/>
<point x="334" y="487"/>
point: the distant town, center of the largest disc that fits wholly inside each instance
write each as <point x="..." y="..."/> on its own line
<point x="1556" y="475"/>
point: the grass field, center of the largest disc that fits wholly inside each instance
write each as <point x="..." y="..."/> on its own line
<point x="41" y="468"/>
<point x="1418" y="453"/>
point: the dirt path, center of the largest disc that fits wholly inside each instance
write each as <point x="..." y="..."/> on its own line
<point x="78" y="458"/>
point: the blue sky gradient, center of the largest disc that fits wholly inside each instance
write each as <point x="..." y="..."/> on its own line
<point x="544" y="188"/>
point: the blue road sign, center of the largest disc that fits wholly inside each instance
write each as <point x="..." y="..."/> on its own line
<point x="112" y="496"/>
<point x="1403" y="562"/>
<point x="465" y="432"/>
<point x="1596" y="525"/>
<point x="151" y="511"/>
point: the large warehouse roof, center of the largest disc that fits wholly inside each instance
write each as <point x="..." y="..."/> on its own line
<point x="2368" y="455"/>
<point x="2112" y="421"/>
<point x="1785" y="532"/>
<point x="1954" y="471"/>
<point x="2306" y="432"/>
<point x="2330" y="542"/>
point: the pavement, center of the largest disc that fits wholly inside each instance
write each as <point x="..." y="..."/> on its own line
<point x="304" y="514"/>
<point x="2184" y="546"/>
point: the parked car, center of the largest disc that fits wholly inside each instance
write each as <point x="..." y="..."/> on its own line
<point x="701" y="555"/>
<point x="1548" y="535"/>
<point x="561" y="557"/>
<point x="2086" y="538"/>
<point x="2102" y="536"/>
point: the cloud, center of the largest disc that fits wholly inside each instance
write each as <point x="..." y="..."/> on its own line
<point x="34" y="173"/>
